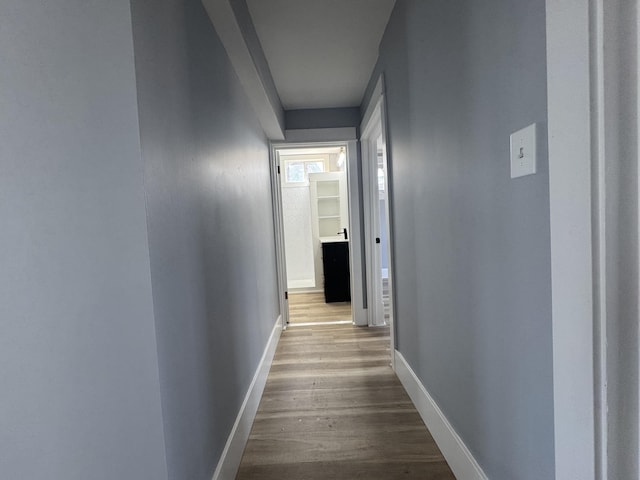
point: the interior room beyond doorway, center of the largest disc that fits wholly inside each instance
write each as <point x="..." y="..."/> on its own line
<point x="316" y="233"/>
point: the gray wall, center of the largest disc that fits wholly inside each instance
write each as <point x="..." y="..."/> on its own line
<point x="621" y="75"/>
<point x="78" y="370"/>
<point x="210" y="228"/>
<point x="472" y="246"/>
<point x="322" y="118"/>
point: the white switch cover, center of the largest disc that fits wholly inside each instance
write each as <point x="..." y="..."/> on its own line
<point x="523" y="151"/>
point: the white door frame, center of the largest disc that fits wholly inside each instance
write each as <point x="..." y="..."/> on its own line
<point x="372" y="227"/>
<point x="583" y="112"/>
<point x="278" y="227"/>
<point x="373" y="126"/>
<point x="323" y="138"/>
<point x="569" y="85"/>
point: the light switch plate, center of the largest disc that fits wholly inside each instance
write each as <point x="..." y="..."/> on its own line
<point x="524" y="151"/>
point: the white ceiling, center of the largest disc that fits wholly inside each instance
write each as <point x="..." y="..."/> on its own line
<point x="320" y="52"/>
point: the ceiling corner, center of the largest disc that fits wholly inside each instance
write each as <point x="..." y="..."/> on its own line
<point x="259" y="89"/>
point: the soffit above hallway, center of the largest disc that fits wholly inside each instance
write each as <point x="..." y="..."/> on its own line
<point x="320" y="52"/>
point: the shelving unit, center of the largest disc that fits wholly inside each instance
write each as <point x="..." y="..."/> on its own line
<point x="329" y="215"/>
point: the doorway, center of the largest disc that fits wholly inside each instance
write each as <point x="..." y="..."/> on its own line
<point x="377" y="219"/>
<point x="313" y="199"/>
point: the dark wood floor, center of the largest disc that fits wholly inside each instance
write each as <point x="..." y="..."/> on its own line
<point x="333" y="409"/>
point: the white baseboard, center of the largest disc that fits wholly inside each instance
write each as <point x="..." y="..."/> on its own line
<point x="234" y="448"/>
<point x="293" y="291"/>
<point x="458" y="456"/>
<point x="301" y="284"/>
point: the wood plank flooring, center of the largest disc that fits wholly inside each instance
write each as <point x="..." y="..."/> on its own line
<point x="333" y="409"/>
<point x="311" y="307"/>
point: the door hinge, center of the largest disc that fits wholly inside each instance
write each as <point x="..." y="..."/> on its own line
<point x="286" y="295"/>
<point x="278" y="169"/>
<point x="377" y="239"/>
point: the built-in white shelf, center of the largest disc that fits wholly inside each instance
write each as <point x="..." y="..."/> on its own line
<point x="328" y="196"/>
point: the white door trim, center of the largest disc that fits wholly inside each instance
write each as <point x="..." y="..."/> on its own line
<point x="278" y="230"/>
<point x="329" y="137"/>
<point x="584" y="115"/>
<point x="570" y="198"/>
<point x="373" y="125"/>
<point x="371" y="215"/>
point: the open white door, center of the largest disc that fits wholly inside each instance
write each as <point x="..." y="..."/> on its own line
<point x="382" y="239"/>
<point x="378" y="238"/>
<point x="276" y="197"/>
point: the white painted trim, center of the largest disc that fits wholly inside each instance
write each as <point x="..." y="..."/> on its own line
<point x="378" y="91"/>
<point x="458" y="456"/>
<point x="356" y="242"/>
<point x="599" y="149"/>
<point x="297" y="285"/>
<point x="271" y="117"/>
<point x="278" y="232"/>
<point x="313" y="135"/>
<point x="334" y="137"/>
<point x="569" y="97"/>
<point x="294" y="291"/>
<point x="232" y="454"/>
<point x="373" y="125"/>
<point x="372" y="227"/>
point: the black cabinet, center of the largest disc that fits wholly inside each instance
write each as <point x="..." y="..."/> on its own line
<point x="335" y="261"/>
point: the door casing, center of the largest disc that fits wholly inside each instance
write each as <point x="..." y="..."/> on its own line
<point x="312" y="139"/>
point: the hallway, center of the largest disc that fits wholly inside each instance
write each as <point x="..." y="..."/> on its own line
<point x="333" y="408"/>
<point x="144" y="289"/>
